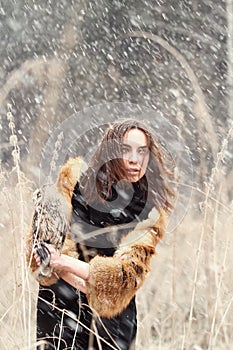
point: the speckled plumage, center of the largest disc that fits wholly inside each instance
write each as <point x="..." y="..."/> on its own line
<point x="51" y="220"/>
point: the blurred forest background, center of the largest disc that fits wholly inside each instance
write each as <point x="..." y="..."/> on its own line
<point x="174" y="57"/>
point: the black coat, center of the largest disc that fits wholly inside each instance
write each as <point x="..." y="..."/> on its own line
<point x="123" y="207"/>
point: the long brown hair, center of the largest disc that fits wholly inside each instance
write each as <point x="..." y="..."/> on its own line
<point x="107" y="168"/>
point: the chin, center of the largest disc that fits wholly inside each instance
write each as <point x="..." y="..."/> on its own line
<point x="134" y="178"/>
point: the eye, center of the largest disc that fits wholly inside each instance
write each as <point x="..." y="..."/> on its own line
<point x="143" y="150"/>
<point x="125" y="150"/>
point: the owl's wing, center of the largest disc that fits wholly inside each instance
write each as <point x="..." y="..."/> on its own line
<point x="50" y="220"/>
<point x="49" y="225"/>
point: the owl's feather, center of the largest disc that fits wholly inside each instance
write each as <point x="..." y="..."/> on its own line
<point x="51" y="220"/>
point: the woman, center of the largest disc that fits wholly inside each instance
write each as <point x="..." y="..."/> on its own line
<point x="93" y="303"/>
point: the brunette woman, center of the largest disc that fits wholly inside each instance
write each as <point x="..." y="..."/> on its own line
<point x="120" y="209"/>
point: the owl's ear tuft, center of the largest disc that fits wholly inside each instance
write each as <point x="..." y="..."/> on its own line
<point x="37" y="196"/>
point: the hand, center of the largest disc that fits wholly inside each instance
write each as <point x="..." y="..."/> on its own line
<point x="56" y="259"/>
<point x="64" y="263"/>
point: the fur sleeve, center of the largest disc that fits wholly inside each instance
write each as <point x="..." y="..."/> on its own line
<point x="113" y="281"/>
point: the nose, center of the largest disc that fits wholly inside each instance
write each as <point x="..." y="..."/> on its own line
<point x="133" y="158"/>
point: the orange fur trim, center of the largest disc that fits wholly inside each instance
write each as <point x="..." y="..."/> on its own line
<point x="113" y="281"/>
<point x="68" y="176"/>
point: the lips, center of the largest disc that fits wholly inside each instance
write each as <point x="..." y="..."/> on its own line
<point x="133" y="171"/>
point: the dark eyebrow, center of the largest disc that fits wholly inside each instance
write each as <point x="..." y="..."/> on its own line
<point x="128" y="146"/>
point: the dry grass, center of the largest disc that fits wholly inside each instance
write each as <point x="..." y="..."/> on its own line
<point x="187" y="301"/>
<point x="166" y="301"/>
<point x="170" y="317"/>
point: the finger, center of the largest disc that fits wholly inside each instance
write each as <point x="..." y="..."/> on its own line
<point x="38" y="262"/>
<point x="50" y="247"/>
<point x="36" y="257"/>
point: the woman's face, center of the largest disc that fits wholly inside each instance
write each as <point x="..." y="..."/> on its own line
<point x="136" y="155"/>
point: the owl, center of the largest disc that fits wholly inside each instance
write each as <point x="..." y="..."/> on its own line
<point x="51" y="221"/>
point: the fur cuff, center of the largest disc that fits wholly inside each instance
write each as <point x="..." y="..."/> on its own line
<point x="113" y="281"/>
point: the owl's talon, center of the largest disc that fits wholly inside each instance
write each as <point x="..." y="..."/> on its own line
<point x="44" y="254"/>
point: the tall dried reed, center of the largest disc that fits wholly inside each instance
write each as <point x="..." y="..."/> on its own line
<point x="186" y="303"/>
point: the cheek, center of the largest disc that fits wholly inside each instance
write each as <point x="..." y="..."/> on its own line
<point x="145" y="162"/>
<point x="124" y="163"/>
